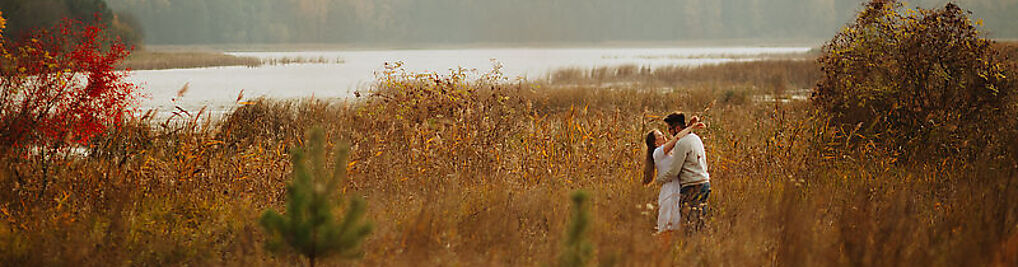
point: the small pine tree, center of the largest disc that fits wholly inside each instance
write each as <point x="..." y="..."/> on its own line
<point x="577" y="249"/>
<point x="309" y="226"/>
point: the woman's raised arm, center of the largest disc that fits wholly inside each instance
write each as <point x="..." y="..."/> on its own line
<point x="694" y="124"/>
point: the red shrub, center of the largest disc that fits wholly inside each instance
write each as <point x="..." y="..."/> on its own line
<point x="59" y="86"/>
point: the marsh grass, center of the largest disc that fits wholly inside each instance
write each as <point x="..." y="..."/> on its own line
<point x="152" y="60"/>
<point x="1009" y="49"/>
<point x="303" y="60"/>
<point x="159" y="60"/>
<point x="460" y="171"/>
<point x="765" y="75"/>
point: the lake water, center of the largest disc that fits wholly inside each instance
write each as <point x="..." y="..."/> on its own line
<point x="218" y="88"/>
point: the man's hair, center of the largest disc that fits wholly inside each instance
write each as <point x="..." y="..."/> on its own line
<point x="676" y="119"/>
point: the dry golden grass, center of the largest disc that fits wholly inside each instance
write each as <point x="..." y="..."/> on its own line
<point x="147" y="60"/>
<point x="150" y="60"/>
<point x="464" y="172"/>
<point x="303" y="60"/>
<point x="764" y="75"/>
<point x="1009" y="49"/>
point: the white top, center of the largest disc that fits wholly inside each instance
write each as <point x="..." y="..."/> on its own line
<point x="669" y="217"/>
<point x="689" y="162"/>
<point x="661" y="160"/>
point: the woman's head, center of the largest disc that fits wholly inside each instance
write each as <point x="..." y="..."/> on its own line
<point x="654" y="139"/>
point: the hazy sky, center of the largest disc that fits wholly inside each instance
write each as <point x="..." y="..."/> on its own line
<point x="402" y="22"/>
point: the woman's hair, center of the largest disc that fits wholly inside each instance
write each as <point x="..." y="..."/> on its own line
<point x="648" y="168"/>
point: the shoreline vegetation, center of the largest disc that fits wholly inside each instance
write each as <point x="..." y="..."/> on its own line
<point x="146" y="60"/>
<point x="182" y="57"/>
<point x="298" y="47"/>
<point x="466" y="172"/>
<point x="149" y="60"/>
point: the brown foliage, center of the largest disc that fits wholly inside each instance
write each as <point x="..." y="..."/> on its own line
<point x="919" y="81"/>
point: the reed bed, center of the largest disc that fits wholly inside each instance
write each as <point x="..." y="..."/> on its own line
<point x="148" y="60"/>
<point x="303" y="60"/>
<point x="778" y="76"/>
<point x="1009" y="49"/>
<point x="145" y="60"/>
<point x="460" y="171"/>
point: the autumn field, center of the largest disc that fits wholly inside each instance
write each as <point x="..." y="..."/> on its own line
<point x="896" y="144"/>
<point x="457" y="171"/>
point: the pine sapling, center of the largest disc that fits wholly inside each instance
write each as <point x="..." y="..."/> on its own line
<point x="309" y="226"/>
<point x="577" y="249"/>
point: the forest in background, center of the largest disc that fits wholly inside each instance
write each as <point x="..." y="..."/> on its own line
<point x="24" y="16"/>
<point x="407" y="22"/>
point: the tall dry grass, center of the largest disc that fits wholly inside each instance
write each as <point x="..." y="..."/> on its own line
<point x="149" y="60"/>
<point x="767" y="75"/>
<point x="153" y="60"/>
<point x="461" y="171"/>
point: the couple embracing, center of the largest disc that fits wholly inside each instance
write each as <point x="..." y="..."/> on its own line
<point x="680" y="162"/>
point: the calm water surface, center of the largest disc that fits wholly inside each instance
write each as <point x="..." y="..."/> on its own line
<point x="218" y="88"/>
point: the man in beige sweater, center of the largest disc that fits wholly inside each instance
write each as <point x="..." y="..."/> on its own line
<point x="689" y="165"/>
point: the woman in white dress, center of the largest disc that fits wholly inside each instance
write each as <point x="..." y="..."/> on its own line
<point x="659" y="147"/>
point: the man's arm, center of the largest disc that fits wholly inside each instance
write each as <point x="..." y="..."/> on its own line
<point x="679" y="154"/>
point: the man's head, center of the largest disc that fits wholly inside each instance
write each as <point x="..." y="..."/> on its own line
<point x="676" y="122"/>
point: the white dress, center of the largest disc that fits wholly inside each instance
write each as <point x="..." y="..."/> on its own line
<point x="668" y="201"/>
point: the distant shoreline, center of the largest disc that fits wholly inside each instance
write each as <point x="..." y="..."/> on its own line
<point x="190" y="59"/>
<point x="290" y="47"/>
<point x="161" y="57"/>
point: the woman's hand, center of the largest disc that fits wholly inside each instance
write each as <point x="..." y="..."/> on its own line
<point x="696" y="123"/>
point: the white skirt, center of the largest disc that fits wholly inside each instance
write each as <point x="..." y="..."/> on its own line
<point x="668" y="202"/>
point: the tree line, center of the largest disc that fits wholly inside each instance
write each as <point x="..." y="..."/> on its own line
<point x="23" y="16"/>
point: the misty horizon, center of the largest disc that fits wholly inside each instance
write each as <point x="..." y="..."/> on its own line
<point x="412" y="23"/>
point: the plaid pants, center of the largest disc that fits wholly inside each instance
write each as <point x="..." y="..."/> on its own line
<point x="694" y="200"/>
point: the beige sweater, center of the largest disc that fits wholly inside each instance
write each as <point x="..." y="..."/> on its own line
<point x="689" y="162"/>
